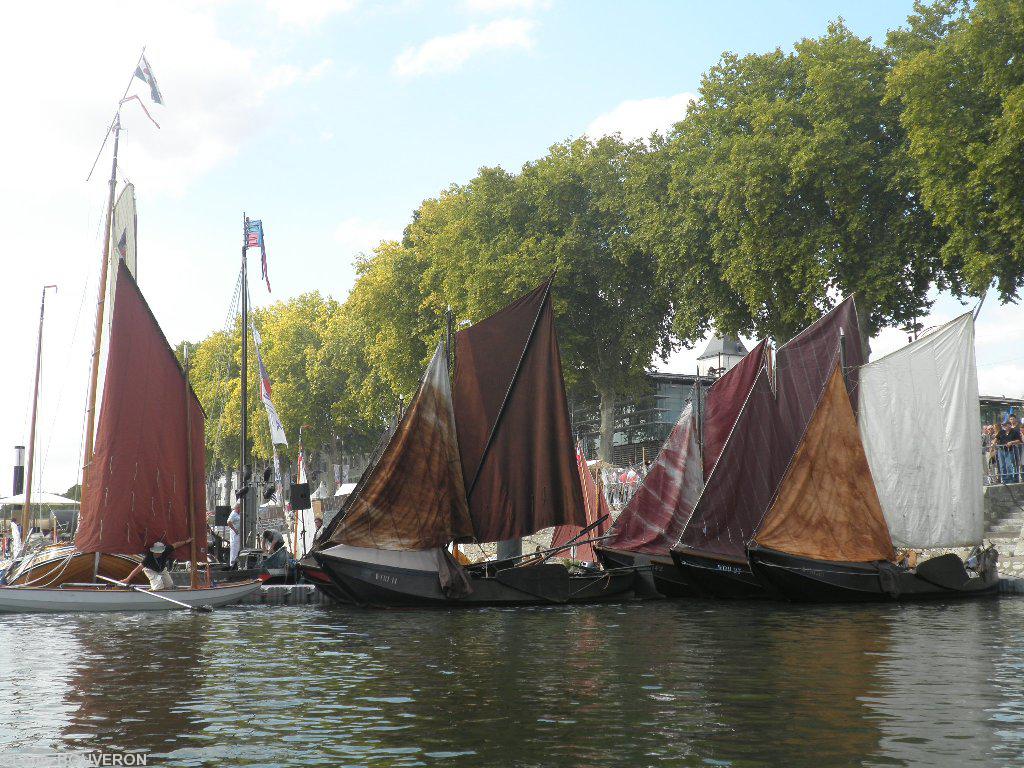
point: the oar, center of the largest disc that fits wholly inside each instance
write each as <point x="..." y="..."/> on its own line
<point x="200" y="608"/>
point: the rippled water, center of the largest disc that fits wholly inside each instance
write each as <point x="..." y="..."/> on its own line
<point x="671" y="683"/>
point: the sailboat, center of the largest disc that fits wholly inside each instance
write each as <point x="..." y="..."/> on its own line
<point x="488" y="458"/>
<point x="849" y="496"/>
<point x="653" y="519"/>
<point x="141" y="484"/>
<point x="711" y="552"/>
<point x="143" y="473"/>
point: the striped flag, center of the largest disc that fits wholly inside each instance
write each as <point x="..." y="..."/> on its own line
<point x="277" y="436"/>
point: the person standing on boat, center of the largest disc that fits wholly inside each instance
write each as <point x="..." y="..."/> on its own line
<point x="155" y="563"/>
<point x="235" y="523"/>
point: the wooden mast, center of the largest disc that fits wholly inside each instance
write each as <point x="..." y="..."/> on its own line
<point x="90" y="413"/>
<point x="26" y="509"/>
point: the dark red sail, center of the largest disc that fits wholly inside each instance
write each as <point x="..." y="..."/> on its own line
<point x="767" y="433"/>
<point x="596" y="506"/>
<point x="743" y="481"/>
<point x="724" y="400"/>
<point x="655" y="515"/>
<point x="137" y="485"/>
<point x="508" y="372"/>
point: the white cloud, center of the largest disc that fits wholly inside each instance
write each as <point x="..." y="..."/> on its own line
<point x="504" y="6"/>
<point x="639" y="118"/>
<point x="356" y="235"/>
<point x="306" y="14"/>
<point x="447" y="53"/>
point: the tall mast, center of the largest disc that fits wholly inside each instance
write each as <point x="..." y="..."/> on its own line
<point x="242" y="485"/>
<point x="90" y="413"/>
<point x="190" y="508"/>
<point x="26" y="510"/>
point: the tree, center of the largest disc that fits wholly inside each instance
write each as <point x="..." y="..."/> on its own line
<point x="502" y="234"/>
<point x="788" y="183"/>
<point x="960" y="84"/>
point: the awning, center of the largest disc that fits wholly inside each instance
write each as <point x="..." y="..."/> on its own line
<point x="41" y="498"/>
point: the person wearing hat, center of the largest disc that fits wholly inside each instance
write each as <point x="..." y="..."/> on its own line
<point x="155" y="563"/>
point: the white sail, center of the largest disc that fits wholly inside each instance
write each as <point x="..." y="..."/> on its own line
<point x="123" y="230"/>
<point x="920" y="422"/>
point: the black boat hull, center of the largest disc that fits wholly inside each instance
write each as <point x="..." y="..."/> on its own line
<point x="720" y="578"/>
<point x="380" y="585"/>
<point x="801" y="579"/>
<point x="315" y="575"/>
<point x="657" y="573"/>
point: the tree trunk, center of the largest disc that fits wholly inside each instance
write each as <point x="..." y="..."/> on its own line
<point x="866" y="331"/>
<point x="332" y="459"/>
<point x="604" y="451"/>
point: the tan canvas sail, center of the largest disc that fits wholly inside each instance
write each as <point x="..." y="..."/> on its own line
<point x="414" y="498"/>
<point x="827" y="507"/>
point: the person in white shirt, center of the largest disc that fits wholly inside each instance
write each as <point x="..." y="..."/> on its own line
<point x="235" y="524"/>
<point x="15" y="539"/>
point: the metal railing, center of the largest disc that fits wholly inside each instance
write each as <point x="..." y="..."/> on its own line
<point x="1003" y="464"/>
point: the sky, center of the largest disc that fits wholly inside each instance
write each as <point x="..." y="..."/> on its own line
<point x="331" y="120"/>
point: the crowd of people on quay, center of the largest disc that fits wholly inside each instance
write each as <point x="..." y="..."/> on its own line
<point x="1003" y="449"/>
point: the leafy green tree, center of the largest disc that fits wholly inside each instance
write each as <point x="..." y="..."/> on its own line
<point x="960" y="86"/>
<point x="788" y="183"/>
<point x="502" y="234"/>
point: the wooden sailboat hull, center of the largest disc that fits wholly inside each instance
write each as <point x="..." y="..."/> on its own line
<point x="718" y="577"/>
<point x="408" y="579"/>
<point x="65" y="565"/>
<point x="102" y="599"/>
<point x="801" y="579"/>
<point x="658" y="573"/>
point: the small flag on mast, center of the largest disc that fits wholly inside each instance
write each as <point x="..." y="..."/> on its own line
<point x="254" y="239"/>
<point x="145" y="74"/>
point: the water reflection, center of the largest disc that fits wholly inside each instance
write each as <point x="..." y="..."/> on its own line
<point x="658" y="684"/>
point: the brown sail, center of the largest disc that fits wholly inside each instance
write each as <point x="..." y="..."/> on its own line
<point x="137" y="485"/>
<point x="724" y="400"/>
<point x="827" y="507"/>
<point x="413" y="498"/>
<point x="513" y="423"/>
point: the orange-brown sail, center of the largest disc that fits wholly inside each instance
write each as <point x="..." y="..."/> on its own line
<point x="826" y="507"/>
<point x="413" y="498"/>
<point x="137" y="485"/>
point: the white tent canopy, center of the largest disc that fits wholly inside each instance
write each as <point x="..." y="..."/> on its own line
<point x="345" y="489"/>
<point x="40" y="498"/>
<point x="919" y="418"/>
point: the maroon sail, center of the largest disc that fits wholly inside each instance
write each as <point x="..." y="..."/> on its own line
<point x="724" y="400"/>
<point x="655" y="515"/>
<point x="596" y="506"/>
<point x="512" y="418"/>
<point x="803" y="365"/>
<point x="137" y="485"/>
<point x="412" y="498"/>
<point x="743" y="481"/>
<point x="767" y="432"/>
